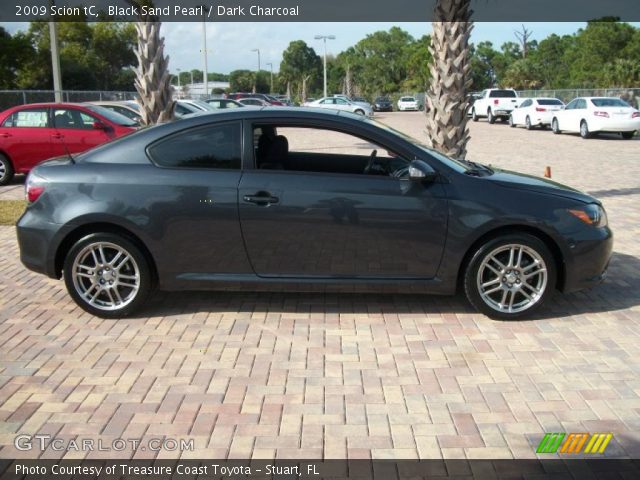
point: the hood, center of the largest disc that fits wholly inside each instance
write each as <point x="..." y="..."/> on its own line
<point x="508" y="179"/>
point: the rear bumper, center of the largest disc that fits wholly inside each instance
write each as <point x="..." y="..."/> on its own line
<point x="613" y="125"/>
<point x="38" y="242"/>
<point x="586" y="265"/>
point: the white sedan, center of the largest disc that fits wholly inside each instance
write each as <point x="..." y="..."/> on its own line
<point x="407" y="103"/>
<point x="533" y="112"/>
<point x="589" y="115"/>
<point x="339" y="103"/>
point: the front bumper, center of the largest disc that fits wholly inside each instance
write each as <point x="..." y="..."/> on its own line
<point x="588" y="259"/>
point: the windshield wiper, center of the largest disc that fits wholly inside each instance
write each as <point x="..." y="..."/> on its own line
<point x="477" y="168"/>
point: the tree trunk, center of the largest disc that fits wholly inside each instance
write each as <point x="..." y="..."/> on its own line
<point x="348" y="85"/>
<point x="446" y="124"/>
<point x="152" y="75"/>
<point x="303" y="93"/>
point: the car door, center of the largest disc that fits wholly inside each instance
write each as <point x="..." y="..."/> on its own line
<point x="77" y="131"/>
<point x="342" y="104"/>
<point x="578" y="114"/>
<point x="315" y="214"/>
<point x="520" y="113"/>
<point x="565" y="116"/>
<point x="26" y="137"/>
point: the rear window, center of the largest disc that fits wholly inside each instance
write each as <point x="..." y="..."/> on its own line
<point x="502" y="94"/>
<point x="545" y="101"/>
<point x="609" y="102"/>
<point x="408" y="99"/>
<point x="215" y="146"/>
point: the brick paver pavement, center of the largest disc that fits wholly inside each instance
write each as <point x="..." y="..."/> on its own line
<point x="334" y="375"/>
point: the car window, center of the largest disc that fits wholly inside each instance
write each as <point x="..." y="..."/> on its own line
<point x="181" y="109"/>
<point x="65" y="118"/>
<point x="214" y="146"/>
<point x="327" y="101"/>
<point x="526" y="103"/>
<point x="128" y="119"/>
<point x="341" y="101"/>
<point x="319" y="149"/>
<point x="571" y="105"/>
<point x="32" y="118"/>
<point x="581" y="104"/>
<point x="609" y="102"/>
<point x="502" y="94"/>
<point x="549" y="101"/>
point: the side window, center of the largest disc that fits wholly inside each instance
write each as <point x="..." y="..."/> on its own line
<point x="215" y="146"/>
<point x="526" y="103"/>
<point x="33" y="118"/>
<point x="571" y="105"/>
<point x="341" y="101"/>
<point x="582" y="104"/>
<point x="323" y="150"/>
<point x="327" y="101"/>
<point x="180" y="110"/>
<point x="70" y="118"/>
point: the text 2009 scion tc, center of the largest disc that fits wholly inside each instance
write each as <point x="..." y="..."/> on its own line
<point x="249" y="196"/>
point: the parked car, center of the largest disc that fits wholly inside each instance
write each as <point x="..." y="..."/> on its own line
<point x="254" y="102"/>
<point x="355" y="100"/>
<point x="262" y="96"/>
<point x="219" y="103"/>
<point x="193" y="205"/>
<point x="189" y="107"/>
<point x="382" y="104"/>
<point x="408" y="104"/>
<point x="535" y="112"/>
<point x="339" y="103"/>
<point x="495" y="103"/>
<point x="471" y="99"/>
<point x="591" y="115"/>
<point x="128" y="108"/>
<point x="34" y="132"/>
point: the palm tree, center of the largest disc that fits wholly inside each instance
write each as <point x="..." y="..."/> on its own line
<point x="152" y="73"/>
<point x="450" y="70"/>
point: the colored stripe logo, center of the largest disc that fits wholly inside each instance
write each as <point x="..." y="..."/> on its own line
<point x="574" y="443"/>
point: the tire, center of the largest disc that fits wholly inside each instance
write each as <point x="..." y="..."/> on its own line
<point x="584" y="130"/>
<point x="494" y="279"/>
<point x="6" y="170"/>
<point x="627" y="135"/>
<point x="490" y="117"/>
<point x="474" y="115"/>
<point x="359" y="112"/>
<point x="527" y="123"/>
<point x="86" y="273"/>
<point x="511" y="124"/>
<point x="555" y="127"/>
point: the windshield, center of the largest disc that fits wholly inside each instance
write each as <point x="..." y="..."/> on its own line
<point x="549" y="101"/>
<point x="407" y="99"/>
<point x="112" y="116"/>
<point x="609" y="102"/>
<point x="202" y="105"/>
<point x="457" y="165"/>
<point x="502" y="94"/>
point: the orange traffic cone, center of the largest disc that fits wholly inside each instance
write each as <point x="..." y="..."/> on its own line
<point x="547" y="172"/>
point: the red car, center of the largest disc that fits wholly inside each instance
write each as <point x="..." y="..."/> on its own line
<point x="32" y="133"/>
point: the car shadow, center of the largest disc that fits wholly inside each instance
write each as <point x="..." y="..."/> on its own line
<point x="619" y="292"/>
<point x="615" y="192"/>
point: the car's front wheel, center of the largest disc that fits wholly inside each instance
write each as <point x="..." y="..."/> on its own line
<point x="527" y="123"/>
<point x="107" y="275"/>
<point x="555" y="127"/>
<point x="359" y="112"/>
<point x="511" y="122"/>
<point x="6" y="170"/>
<point x="510" y="276"/>
<point x="474" y="115"/>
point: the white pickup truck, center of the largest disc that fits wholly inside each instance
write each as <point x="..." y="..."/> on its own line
<point x="494" y="103"/>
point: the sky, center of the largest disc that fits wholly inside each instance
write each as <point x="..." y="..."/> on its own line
<point x="230" y="45"/>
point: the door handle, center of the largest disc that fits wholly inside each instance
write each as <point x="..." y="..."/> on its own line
<point x="5" y="135"/>
<point x="57" y="136"/>
<point x="263" y="199"/>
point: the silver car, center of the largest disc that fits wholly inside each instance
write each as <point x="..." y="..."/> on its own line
<point x="340" y="103"/>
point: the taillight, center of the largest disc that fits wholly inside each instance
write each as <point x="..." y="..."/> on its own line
<point x="34" y="187"/>
<point x="635" y="115"/>
<point x="496" y="101"/>
<point x="541" y="109"/>
<point x="601" y="114"/>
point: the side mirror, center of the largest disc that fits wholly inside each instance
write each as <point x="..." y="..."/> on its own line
<point x="421" y="171"/>
<point x="99" y="126"/>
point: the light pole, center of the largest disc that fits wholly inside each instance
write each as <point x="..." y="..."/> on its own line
<point x="204" y="53"/>
<point x="55" y="60"/>
<point x="255" y="84"/>
<point x="271" y="66"/>
<point x="325" y="38"/>
<point x="178" y="70"/>
<point x="191" y="72"/>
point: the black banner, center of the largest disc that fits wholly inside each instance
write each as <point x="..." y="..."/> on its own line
<point x="319" y="469"/>
<point x="313" y="10"/>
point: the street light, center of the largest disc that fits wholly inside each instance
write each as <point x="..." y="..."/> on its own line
<point x="178" y="70"/>
<point x="255" y="85"/>
<point x="325" y="38"/>
<point x="271" y="66"/>
<point x="204" y="53"/>
<point x="257" y="50"/>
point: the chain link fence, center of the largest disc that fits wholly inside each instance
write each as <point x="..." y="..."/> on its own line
<point x="11" y="98"/>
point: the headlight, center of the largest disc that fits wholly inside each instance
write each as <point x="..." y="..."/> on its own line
<point x="591" y="214"/>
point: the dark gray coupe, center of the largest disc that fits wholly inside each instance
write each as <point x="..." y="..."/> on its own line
<point x="300" y="197"/>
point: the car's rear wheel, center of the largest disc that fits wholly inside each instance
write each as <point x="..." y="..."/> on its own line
<point x="510" y="276"/>
<point x="555" y="127"/>
<point x="474" y="115"/>
<point x="627" y="135"/>
<point x="527" y="123"/>
<point x="491" y="117"/>
<point x="584" y="130"/>
<point x="6" y="170"/>
<point x="107" y="275"/>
